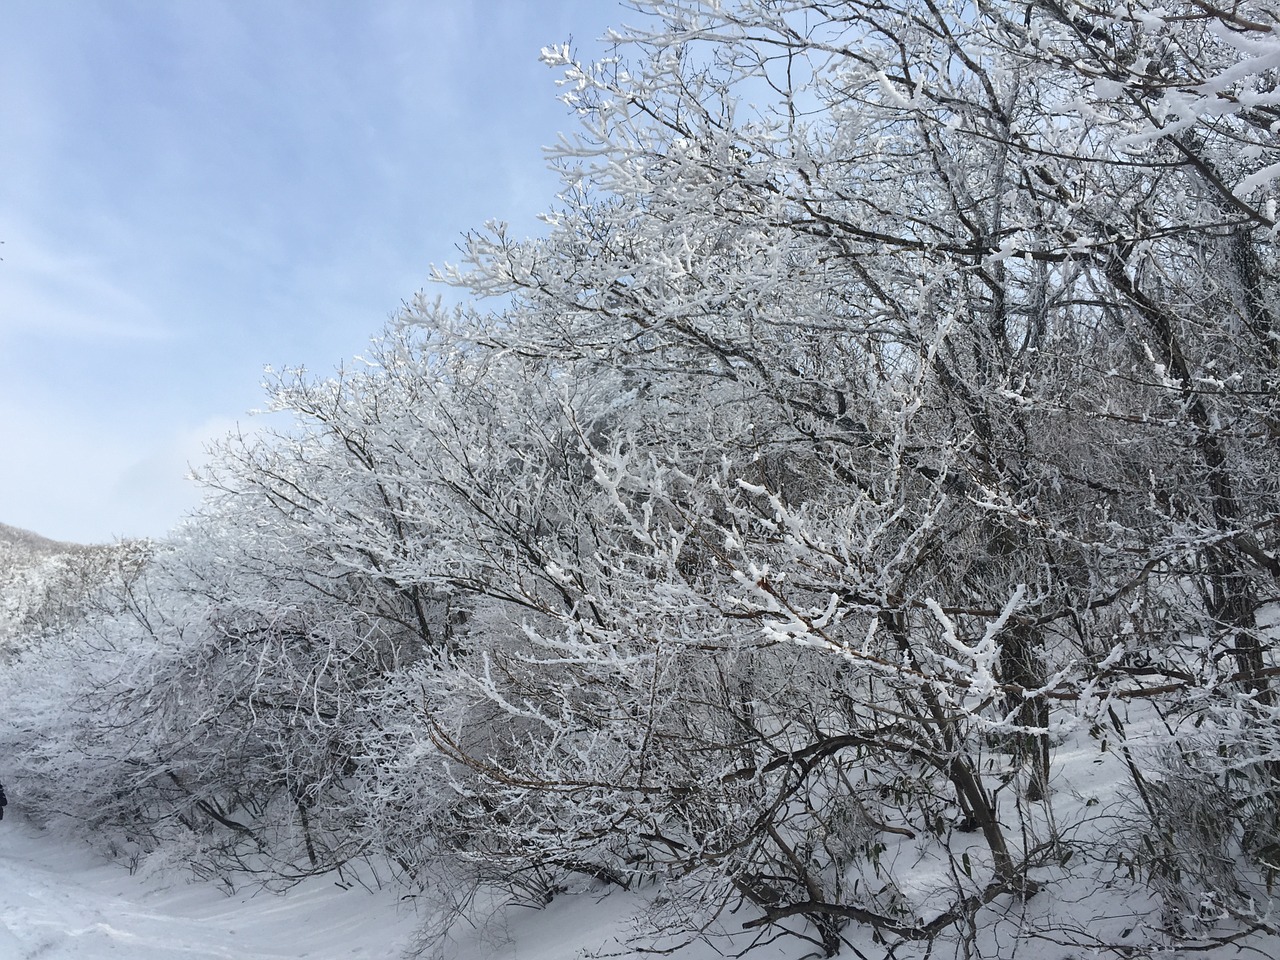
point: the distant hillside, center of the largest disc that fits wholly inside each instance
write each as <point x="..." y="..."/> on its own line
<point x="46" y="585"/>
<point x="25" y="543"/>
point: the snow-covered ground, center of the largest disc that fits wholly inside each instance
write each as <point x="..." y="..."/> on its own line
<point x="59" y="901"/>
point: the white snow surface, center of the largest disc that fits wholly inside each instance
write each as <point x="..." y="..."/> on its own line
<point x="60" y="901"/>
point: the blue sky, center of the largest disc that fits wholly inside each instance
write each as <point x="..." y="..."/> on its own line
<point x="193" y="189"/>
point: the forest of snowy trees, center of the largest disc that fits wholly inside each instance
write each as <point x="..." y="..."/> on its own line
<point x="892" y="403"/>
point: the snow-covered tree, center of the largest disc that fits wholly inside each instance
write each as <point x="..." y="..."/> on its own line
<point x="893" y="392"/>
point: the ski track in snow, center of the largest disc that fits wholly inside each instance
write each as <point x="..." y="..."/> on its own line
<point x="59" y="902"/>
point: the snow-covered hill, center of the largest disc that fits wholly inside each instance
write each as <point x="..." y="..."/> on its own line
<point x="45" y="584"/>
<point x="22" y="545"/>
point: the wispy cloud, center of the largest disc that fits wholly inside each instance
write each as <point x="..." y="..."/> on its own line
<point x="55" y="293"/>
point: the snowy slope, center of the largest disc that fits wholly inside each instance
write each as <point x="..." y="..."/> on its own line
<point x="58" y="902"/>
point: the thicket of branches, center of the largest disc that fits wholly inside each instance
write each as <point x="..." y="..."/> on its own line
<point x="894" y="394"/>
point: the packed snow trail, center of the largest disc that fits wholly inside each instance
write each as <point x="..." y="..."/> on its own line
<point x="59" y="902"/>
